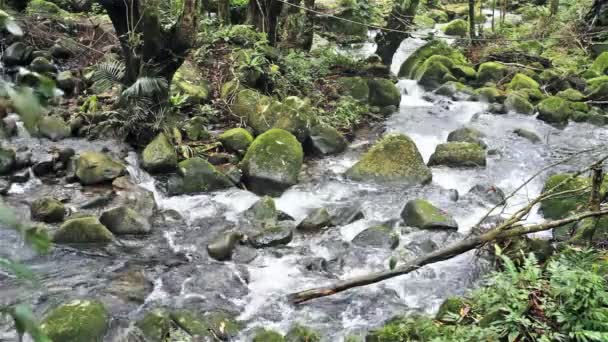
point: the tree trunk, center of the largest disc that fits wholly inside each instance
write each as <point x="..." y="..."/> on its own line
<point x="472" y="20"/>
<point x="296" y="27"/>
<point x="397" y="26"/>
<point x="147" y="48"/>
<point x="264" y="15"/>
<point x="223" y="11"/>
<point x="554" y="7"/>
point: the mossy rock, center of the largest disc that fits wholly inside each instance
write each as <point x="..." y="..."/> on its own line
<point x="159" y="155"/>
<point x="156" y="325"/>
<point x="438" y="15"/>
<point x="458" y="154"/>
<point x="380" y="236"/>
<point x="248" y="102"/>
<point x="522" y="81"/>
<point x="383" y="92"/>
<point x="422" y="214"/>
<point x="424" y="21"/>
<point x="489" y="94"/>
<point x="95" y="168"/>
<point x="458" y="27"/>
<point x="356" y="87"/>
<point x="274" y="235"/>
<point x="315" y="221"/>
<point x="452" y="88"/>
<point x="85" y="229"/>
<point x="263" y="212"/>
<point x="76" y="321"/>
<point x="125" y="221"/>
<point x="394" y="159"/>
<point x="208" y="326"/>
<point x="273" y="162"/>
<point x="236" y="140"/>
<point x="562" y="206"/>
<point x="579" y="107"/>
<point x="47" y="210"/>
<point x="46" y="8"/>
<point x="196" y="128"/>
<point x="518" y="103"/>
<point x="451" y="308"/>
<point x="435" y="47"/>
<point x="491" y="72"/>
<point x="188" y="81"/>
<point x="467" y="134"/>
<point x="587" y="230"/>
<point x="300" y="333"/>
<point x="571" y="95"/>
<point x="464" y="71"/>
<point x="54" y="128"/>
<point x="529" y="135"/>
<point x="221" y="248"/>
<point x="600" y="65"/>
<point x="554" y="110"/>
<point x="264" y="335"/>
<point x="293" y="115"/>
<point x="435" y="71"/>
<point x="325" y="140"/>
<point x="195" y="175"/>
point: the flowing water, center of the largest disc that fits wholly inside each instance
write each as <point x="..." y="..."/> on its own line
<point x="183" y="275"/>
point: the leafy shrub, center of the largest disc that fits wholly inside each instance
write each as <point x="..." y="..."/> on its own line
<point x="347" y="113"/>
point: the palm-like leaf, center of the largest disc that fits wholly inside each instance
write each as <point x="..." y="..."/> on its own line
<point x="146" y="87"/>
<point x="109" y="74"/>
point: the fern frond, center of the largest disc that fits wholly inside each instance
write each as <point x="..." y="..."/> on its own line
<point x="109" y="74"/>
<point x="146" y="87"/>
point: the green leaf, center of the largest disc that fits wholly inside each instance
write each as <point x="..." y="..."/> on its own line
<point x="26" y="104"/>
<point x="38" y="238"/>
<point x="25" y="322"/>
<point x="17" y="269"/>
<point x="392" y="263"/>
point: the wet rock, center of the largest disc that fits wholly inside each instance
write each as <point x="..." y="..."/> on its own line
<point x="356" y="87"/>
<point x="491" y="72"/>
<point x="134" y="196"/>
<point x="155" y="325"/>
<point x="236" y="140"/>
<point x="23" y="159"/>
<point x="188" y="80"/>
<point x="458" y="154"/>
<point x="422" y="247"/>
<point x="86" y="229"/>
<point x="66" y="82"/>
<point x="467" y="134"/>
<point x="196" y="128"/>
<point x="210" y="326"/>
<point x="21" y="176"/>
<point x="381" y="236"/>
<point x="316" y="264"/>
<point x="221" y="248"/>
<point x="529" y="135"/>
<point x="272" y="163"/>
<point x="232" y="172"/>
<point x="422" y="214"/>
<point x="54" y="128"/>
<point x="554" y="110"/>
<point x="279" y="234"/>
<point x="76" y="321"/>
<point x="497" y="108"/>
<point x="43" y="168"/>
<point x="453" y="195"/>
<point x="7" y="161"/>
<point x="95" y="168"/>
<point x="383" y="92"/>
<point x="315" y="221"/>
<point x="488" y="193"/>
<point x="125" y="221"/>
<point x="264" y="335"/>
<point x="293" y="115"/>
<point x="196" y="175"/>
<point x="5" y="186"/>
<point x="64" y="48"/>
<point x="17" y="54"/>
<point x="300" y="333"/>
<point x="393" y="159"/>
<point x="516" y="102"/>
<point x="131" y="285"/>
<point x="42" y="65"/>
<point x="244" y="254"/>
<point x="263" y="212"/>
<point x="346" y="214"/>
<point x="325" y="140"/>
<point x="489" y="94"/>
<point x="247" y="102"/>
<point x="99" y="200"/>
<point x="221" y="158"/>
<point x="47" y="210"/>
<point x="159" y="155"/>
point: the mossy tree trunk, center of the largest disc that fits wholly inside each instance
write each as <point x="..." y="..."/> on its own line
<point x="264" y="15"/>
<point x="223" y="11"/>
<point x="147" y="47"/>
<point x="401" y="18"/>
<point x="472" y="20"/>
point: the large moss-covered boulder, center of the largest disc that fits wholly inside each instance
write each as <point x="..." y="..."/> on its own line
<point x="516" y="102"/>
<point x="600" y="65"/>
<point x="293" y="115"/>
<point x="559" y="207"/>
<point x="394" y="159"/>
<point x="491" y="72"/>
<point x="356" y="87"/>
<point x="325" y="140"/>
<point x="383" y="92"/>
<point x="188" y="81"/>
<point x="468" y="134"/>
<point x="7" y="160"/>
<point x="489" y="94"/>
<point x="77" y="321"/>
<point x="272" y="162"/>
<point x="236" y="140"/>
<point x="248" y="102"/>
<point x="85" y="229"/>
<point x="54" y="127"/>
<point x="124" y="220"/>
<point x="522" y="81"/>
<point x="159" y="155"/>
<point x="47" y="209"/>
<point x="434" y="47"/>
<point x="196" y="175"/>
<point x="597" y="88"/>
<point x="422" y="214"/>
<point x="458" y="27"/>
<point x="94" y="168"/>
<point x="435" y="71"/>
<point x="554" y="110"/>
<point x="458" y="154"/>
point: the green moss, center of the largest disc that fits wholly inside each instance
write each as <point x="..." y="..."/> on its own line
<point x="248" y="102"/>
<point x="48" y="210"/>
<point x="196" y="175"/>
<point x="264" y="335"/>
<point x="76" y="321"/>
<point x="458" y="27"/>
<point x="489" y="94"/>
<point x="571" y="95"/>
<point x="356" y="87"/>
<point x="273" y="160"/>
<point x="436" y="70"/>
<point x="561" y="206"/>
<point x="263" y="212"/>
<point x="293" y="115"/>
<point x="159" y="155"/>
<point x="424" y="21"/>
<point x="458" y="154"/>
<point x="600" y="65"/>
<point x="554" y="110"/>
<point x="395" y="158"/>
<point x="86" y="229"/>
<point x="491" y="72"/>
<point x="207" y="326"/>
<point x="521" y="81"/>
<point x="450" y="308"/>
<point x="95" y="167"/>
<point x="236" y="139"/>
<point x="519" y="103"/>
<point x="422" y="214"/>
<point x="383" y="92"/>
<point x="451" y="88"/>
<point x="438" y="16"/>
<point x="46" y="8"/>
<point x="435" y="47"/>
<point x="467" y="134"/>
<point x="156" y="325"/>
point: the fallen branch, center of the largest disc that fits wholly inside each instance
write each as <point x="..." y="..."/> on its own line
<point x="449" y="252"/>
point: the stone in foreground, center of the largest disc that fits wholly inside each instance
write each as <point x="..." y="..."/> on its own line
<point x="458" y="154"/>
<point x="422" y="214"/>
<point x="76" y="321"/>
